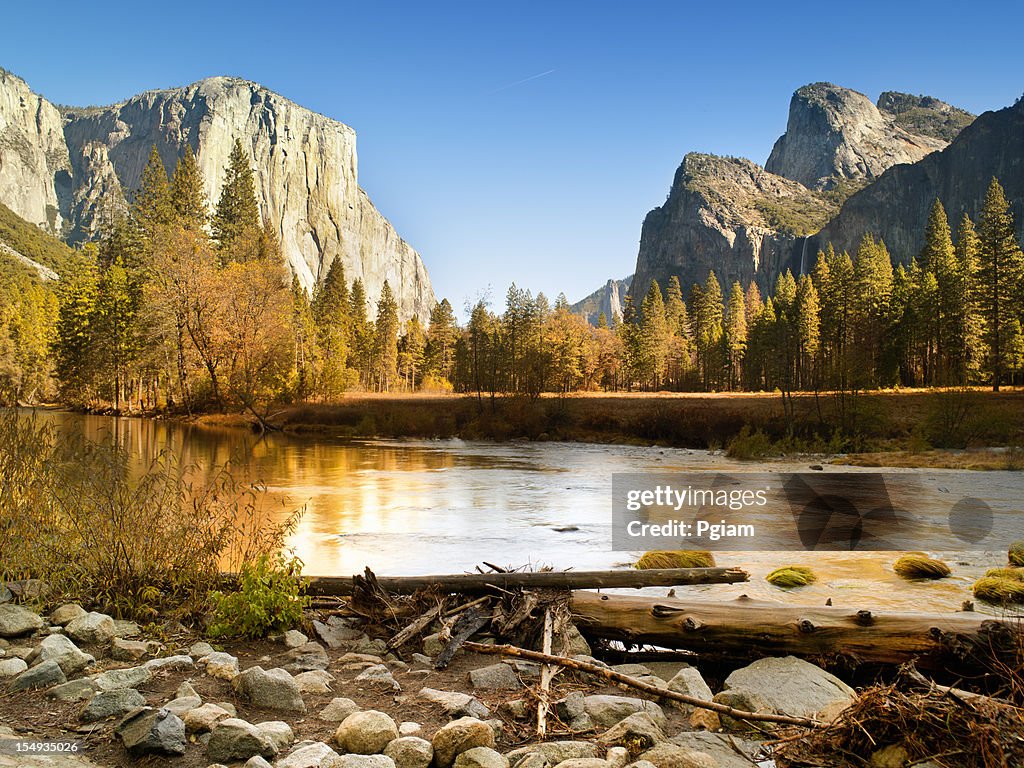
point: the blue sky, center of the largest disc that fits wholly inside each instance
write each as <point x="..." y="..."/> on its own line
<point x="495" y="177"/>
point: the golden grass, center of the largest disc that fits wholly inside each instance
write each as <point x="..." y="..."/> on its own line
<point x="678" y="558"/>
<point x="918" y="566"/>
<point x="1016" y="553"/>
<point x="999" y="590"/>
<point x="790" y="576"/>
<point x="1006" y="573"/>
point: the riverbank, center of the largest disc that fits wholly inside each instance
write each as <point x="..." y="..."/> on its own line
<point x="924" y="428"/>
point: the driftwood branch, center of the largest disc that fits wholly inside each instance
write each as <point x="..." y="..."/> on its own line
<point x="640" y="685"/>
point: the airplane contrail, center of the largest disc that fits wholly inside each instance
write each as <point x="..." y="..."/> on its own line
<point x="520" y="82"/>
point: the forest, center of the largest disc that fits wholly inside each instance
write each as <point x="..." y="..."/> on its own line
<point x="182" y="310"/>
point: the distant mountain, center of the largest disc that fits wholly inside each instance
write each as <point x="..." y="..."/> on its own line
<point x="607" y="299"/>
<point x="72" y="171"/>
<point x="750" y="223"/>
<point x="24" y="246"/>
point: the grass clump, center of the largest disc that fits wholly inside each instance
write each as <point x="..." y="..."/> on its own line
<point x="999" y="590"/>
<point x="790" y="576"/>
<point x="1006" y="573"/>
<point x="1016" y="553"/>
<point x="919" y="566"/>
<point x="677" y="558"/>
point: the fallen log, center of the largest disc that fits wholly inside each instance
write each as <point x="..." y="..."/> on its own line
<point x="617" y="677"/>
<point x="744" y="628"/>
<point x="475" y="583"/>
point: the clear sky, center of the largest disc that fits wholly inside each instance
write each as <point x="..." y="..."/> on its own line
<point x="526" y="141"/>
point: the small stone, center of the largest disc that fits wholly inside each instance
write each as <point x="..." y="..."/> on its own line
<point x="358" y="761"/>
<point x="422" y="659"/>
<point x="60" y="649"/>
<point x="689" y="681"/>
<point x="182" y="704"/>
<point x="76" y="690"/>
<point x="338" y="710"/>
<point x="668" y="755"/>
<point x="235" y="739"/>
<point x="481" y="757"/>
<point x="617" y="757"/>
<point x="495" y="677"/>
<point x="66" y="614"/>
<point x="92" y="629"/>
<point x="307" y="756"/>
<point x="316" y="681"/>
<point x="517" y="709"/>
<point x="638" y="732"/>
<point x="456" y="737"/>
<point x="111" y="704"/>
<point x="16" y="620"/>
<point x="128" y="650"/>
<point x="409" y="728"/>
<point x="531" y="760"/>
<point x="277" y="732"/>
<point x="271" y="689"/>
<point x="456" y="704"/>
<point x="337" y="632"/>
<point x="366" y="658"/>
<point x="574" y="644"/>
<point x="606" y="711"/>
<point x="203" y="718"/>
<point x="433" y="645"/>
<point x="45" y="675"/>
<point x="555" y="752"/>
<point x="185" y="689"/>
<point x="378" y="675"/>
<point x="257" y="761"/>
<point x="12" y="667"/>
<point x="364" y="644"/>
<point x="148" y="730"/>
<point x="200" y="650"/>
<point x="307" y="657"/>
<point x="293" y="638"/>
<point x="132" y="677"/>
<point x="169" y="663"/>
<point x="366" y="733"/>
<point x="410" y="752"/>
<point x="223" y="666"/>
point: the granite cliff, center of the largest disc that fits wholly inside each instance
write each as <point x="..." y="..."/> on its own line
<point x="73" y="170"/>
<point x="606" y="300"/>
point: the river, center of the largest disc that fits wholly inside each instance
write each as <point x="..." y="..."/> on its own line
<point x="414" y="507"/>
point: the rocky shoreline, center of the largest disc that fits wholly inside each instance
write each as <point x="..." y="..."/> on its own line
<point x="338" y="699"/>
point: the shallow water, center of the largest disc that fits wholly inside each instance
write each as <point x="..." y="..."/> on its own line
<point x="415" y="507"/>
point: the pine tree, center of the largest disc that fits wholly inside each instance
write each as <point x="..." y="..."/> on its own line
<point x="115" y="343"/>
<point x="969" y="353"/>
<point x="938" y="257"/>
<point x="75" y="362"/>
<point x="999" y="277"/>
<point x="362" y="332"/>
<point x="386" y="339"/>
<point x="808" y="330"/>
<point x="152" y="207"/>
<point x="706" y="324"/>
<point x="442" y="334"/>
<point x="873" y="321"/>
<point x="305" y="340"/>
<point x="653" y="337"/>
<point x="187" y="193"/>
<point x="331" y="309"/>
<point x="736" y="333"/>
<point x="412" y="352"/>
<point x="237" y="215"/>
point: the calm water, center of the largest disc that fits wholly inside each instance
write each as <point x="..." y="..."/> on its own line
<point x="414" y="507"/>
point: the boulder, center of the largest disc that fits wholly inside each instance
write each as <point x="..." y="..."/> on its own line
<point x="271" y="689"/>
<point x="726" y="749"/>
<point x="235" y="739"/>
<point x="183" y="704"/>
<point x="16" y="620"/>
<point x="481" y="757"/>
<point x="200" y="650"/>
<point x="92" y="629"/>
<point x="66" y="614"/>
<point x="555" y="752"/>
<point x="75" y="690"/>
<point x="148" y="730"/>
<point x="45" y="675"/>
<point x="410" y="752"/>
<point x="573" y="711"/>
<point x="277" y="732"/>
<point x="638" y="733"/>
<point x="256" y="761"/>
<point x="366" y="733"/>
<point x="12" y="667"/>
<point x="667" y="755"/>
<point x="617" y="757"/>
<point x="378" y="675"/>
<point x="337" y="632"/>
<point x="60" y="649"/>
<point x="311" y="755"/>
<point x="203" y="718"/>
<point x="125" y="628"/>
<point x="131" y="677"/>
<point x="495" y="677"/>
<point x="223" y="666"/>
<point x="307" y="657"/>
<point x="607" y="710"/>
<point x="532" y="760"/>
<point x="294" y="639"/>
<point x="456" y="737"/>
<point x="784" y="685"/>
<point x="456" y="704"/>
<point x="358" y="761"/>
<point x="338" y="710"/>
<point x="106" y="704"/>
<point x="316" y="681"/>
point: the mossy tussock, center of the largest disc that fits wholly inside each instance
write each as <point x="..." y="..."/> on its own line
<point x="920" y="566"/>
<point x="999" y="590"/>
<point x="1006" y="573"/>
<point x="1016" y="553"/>
<point x="790" y="576"/>
<point x="675" y="558"/>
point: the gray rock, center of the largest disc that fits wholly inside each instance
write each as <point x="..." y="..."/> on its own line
<point x="316" y="681"/>
<point x="128" y="650"/>
<point x="278" y="733"/>
<point x="234" y="739"/>
<point x="531" y="760"/>
<point x="311" y="755"/>
<point x="111" y="704"/>
<point x="271" y="689"/>
<point x="456" y="704"/>
<point x="495" y="677"/>
<point x="422" y="659"/>
<point x="92" y="629"/>
<point x="617" y="757"/>
<point x="338" y="710"/>
<point x="200" y="650"/>
<point x="584" y="762"/>
<point x="169" y="663"/>
<point x="112" y="679"/>
<point x="294" y="639"/>
<point x="307" y="657"/>
<point x="365" y="644"/>
<point x="257" y="761"/>
<point x="726" y="749"/>
<point x="689" y="682"/>
<point x="203" y="718"/>
<point x="366" y="733"/>
<point x="45" y="675"/>
<point x="185" y="689"/>
<point x="517" y="709"/>
<point x="181" y="705"/>
<point x="555" y="752"/>
<point x="573" y="711"/>
<point x="632" y="670"/>
<point x="125" y="628"/>
<point x="456" y="737"/>
<point x="786" y="685"/>
<point x="12" y="667"/>
<point x="16" y="620"/>
<point x="573" y="644"/>
<point x="667" y="755"/>
<point x="606" y="710"/>
<point x="148" y="730"/>
<point x="409" y="728"/>
<point x="358" y="761"/>
<point x="223" y="666"/>
<point x="481" y="757"/>
<point x="433" y="645"/>
<point x="637" y="732"/>
<point x="336" y="633"/>
<point x="75" y="690"/>
<point x="66" y="614"/>
<point x="643" y="764"/>
<point x="378" y="675"/>
<point x="60" y="649"/>
<point x="410" y="752"/>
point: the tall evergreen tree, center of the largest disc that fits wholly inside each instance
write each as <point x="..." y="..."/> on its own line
<point x="969" y="355"/>
<point x="238" y="214"/>
<point x="152" y="207"/>
<point x="442" y="334"/>
<point x="331" y="310"/>
<point x="736" y="333"/>
<point x="706" y="323"/>
<point x="188" y="196"/>
<point x="386" y="339"/>
<point x="653" y="337"/>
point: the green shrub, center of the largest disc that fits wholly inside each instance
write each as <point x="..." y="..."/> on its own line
<point x="269" y="599"/>
<point x="790" y="576"/>
<point x="749" y="444"/>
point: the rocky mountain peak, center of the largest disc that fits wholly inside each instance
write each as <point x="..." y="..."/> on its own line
<point x="925" y="115"/>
